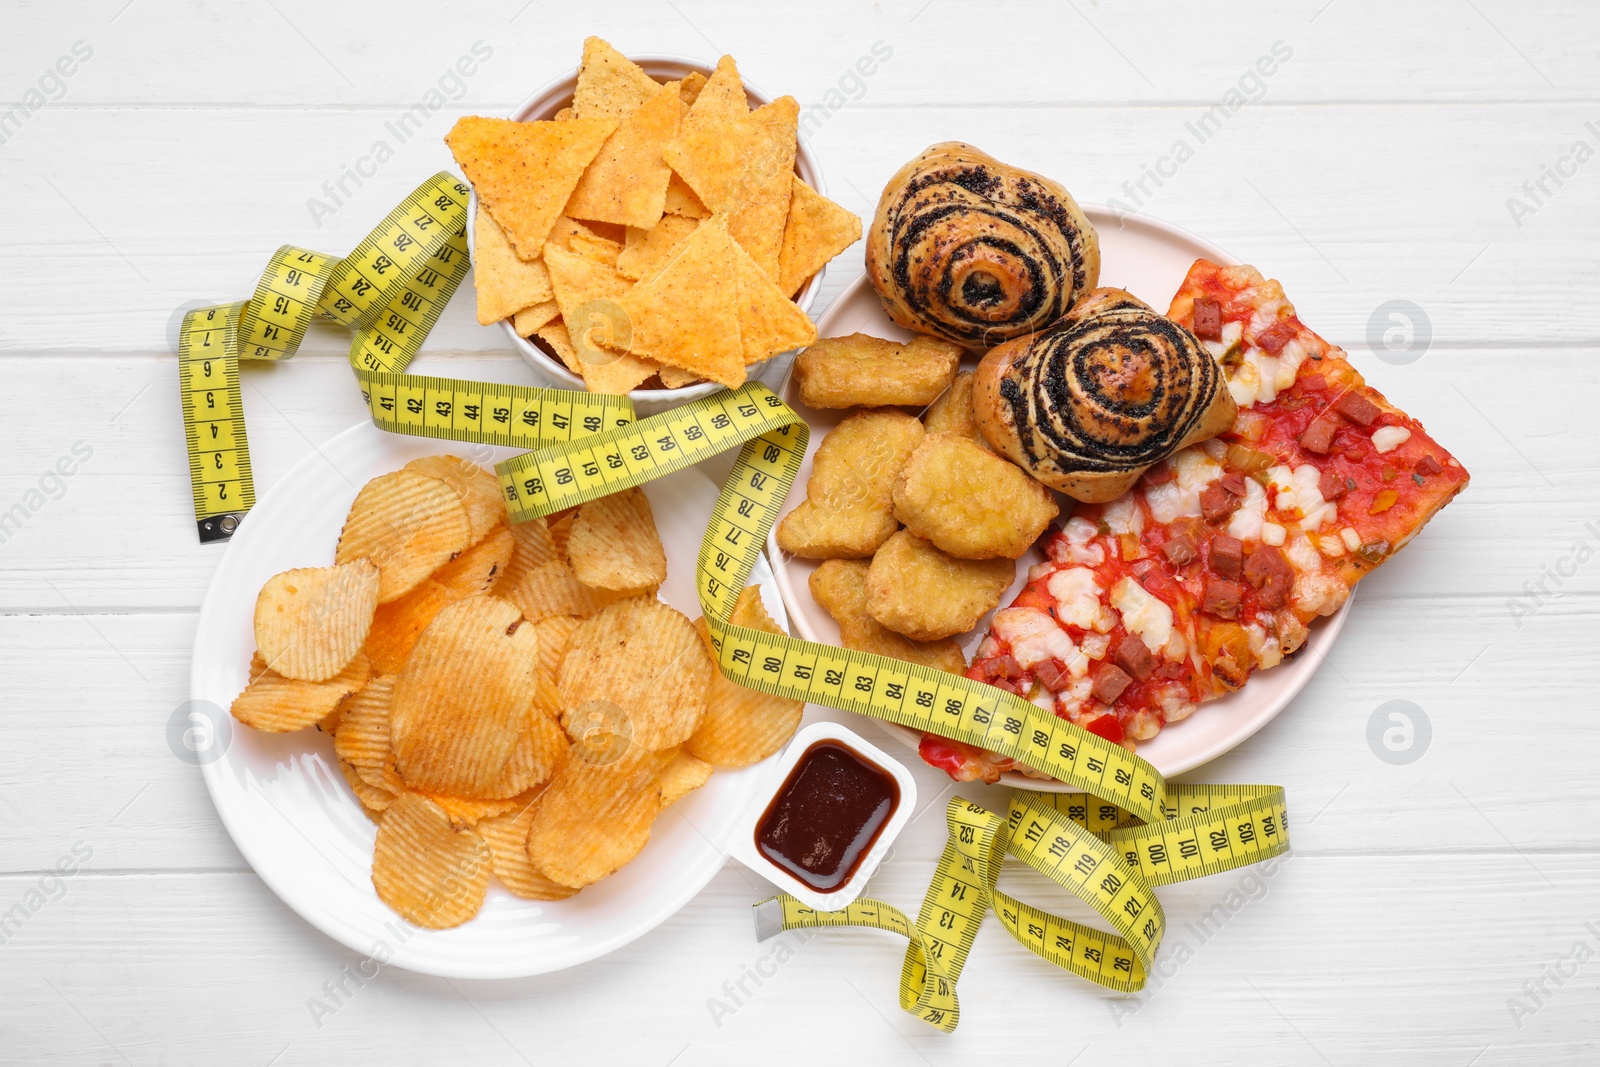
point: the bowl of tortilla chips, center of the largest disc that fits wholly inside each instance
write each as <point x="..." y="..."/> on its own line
<point x="648" y="226"/>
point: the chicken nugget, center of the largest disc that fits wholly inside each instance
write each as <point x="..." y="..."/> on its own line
<point x="916" y="590"/>
<point x="970" y="502"/>
<point x="849" y="507"/>
<point x="862" y="370"/>
<point x="840" y="588"/>
<point x="952" y="412"/>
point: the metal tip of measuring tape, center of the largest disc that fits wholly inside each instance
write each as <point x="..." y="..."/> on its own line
<point x="218" y="527"/>
<point x="769" y="918"/>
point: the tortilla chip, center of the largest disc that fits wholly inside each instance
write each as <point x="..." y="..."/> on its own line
<point x="682" y="314"/>
<point x="505" y="283"/>
<point x="691" y="85"/>
<point x="589" y="294"/>
<point x="817" y="230"/>
<point x="579" y="280"/>
<point x="682" y="201"/>
<point x="585" y="240"/>
<point x="528" y="320"/>
<point x="524" y="172"/>
<point x="647" y="250"/>
<point x="566" y="114"/>
<point x="769" y="322"/>
<point x="677" y="377"/>
<point x="610" y="85"/>
<point x="723" y="92"/>
<point x="627" y="182"/>
<point x="758" y="201"/>
<point x="555" y="335"/>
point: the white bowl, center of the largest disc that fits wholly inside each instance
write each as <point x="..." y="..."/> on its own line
<point x="742" y="842"/>
<point x="544" y="104"/>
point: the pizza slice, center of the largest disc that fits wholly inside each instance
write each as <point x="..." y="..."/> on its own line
<point x="1222" y="556"/>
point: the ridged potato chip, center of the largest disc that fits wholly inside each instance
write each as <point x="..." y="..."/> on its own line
<point x="645" y="657"/>
<point x="561" y="529"/>
<point x="507" y="836"/>
<point x="275" y="704"/>
<point x="431" y="872"/>
<point x="408" y="524"/>
<point x="743" y="726"/>
<point x="970" y="502"/>
<point x="310" y="622"/>
<point x="373" y="799"/>
<point x="552" y="589"/>
<point x="683" y="776"/>
<point x="465" y="717"/>
<point x="839" y="587"/>
<point x="849" y="506"/>
<point x="397" y="624"/>
<point x="363" y="739"/>
<point x="470" y="811"/>
<point x="554" y="634"/>
<point x="478" y="489"/>
<point x="595" y="817"/>
<point x="614" y="544"/>
<point x="916" y="590"/>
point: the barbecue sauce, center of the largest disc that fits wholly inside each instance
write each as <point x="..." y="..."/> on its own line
<point x="830" y="810"/>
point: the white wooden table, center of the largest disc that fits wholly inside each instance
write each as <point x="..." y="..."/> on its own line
<point x="1423" y="903"/>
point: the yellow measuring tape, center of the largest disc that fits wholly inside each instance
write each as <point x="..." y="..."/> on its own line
<point x="1110" y="845"/>
<point x="390" y="290"/>
<point x="1124" y="832"/>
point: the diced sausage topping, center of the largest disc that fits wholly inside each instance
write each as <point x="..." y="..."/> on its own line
<point x="1425" y="465"/>
<point x="1179" y="549"/>
<point x="1312" y="383"/>
<point x="1005" y="667"/>
<point x="1109" y="683"/>
<point x="1233" y="482"/>
<point x="1134" y="658"/>
<point x="1216" y="504"/>
<point x="1318" y="436"/>
<point x="1274" y="337"/>
<point x="1357" y="408"/>
<point x="1051" y="675"/>
<point x="1207" y="319"/>
<point x="1269" y="571"/>
<point x="1222" y="598"/>
<point x="1331" y="486"/>
<point x="1227" y="555"/>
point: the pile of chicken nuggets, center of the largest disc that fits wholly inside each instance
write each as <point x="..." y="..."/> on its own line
<point x="918" y="521"/>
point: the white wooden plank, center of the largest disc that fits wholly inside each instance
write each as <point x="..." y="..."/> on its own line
<point x="310" y="55"/>
<point x="89" y="699"/>
<point x="121" y="534"/>
<point x="214" y="969"/>
<point x="89" y="269"/>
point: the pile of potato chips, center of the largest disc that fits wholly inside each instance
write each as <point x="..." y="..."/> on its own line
<point x="919" y="523"/>
<point x="504" y="698"/>
<point x="650" y="232"/>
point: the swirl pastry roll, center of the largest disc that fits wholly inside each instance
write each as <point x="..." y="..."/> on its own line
<point x="970" y="249"/>
<point x="1086" y="405"/>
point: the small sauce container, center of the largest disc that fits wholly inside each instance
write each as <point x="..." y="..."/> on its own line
<point x="832" y="807"/>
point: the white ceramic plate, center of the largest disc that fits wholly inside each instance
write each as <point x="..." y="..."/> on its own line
<point x="1150" y="260"/>
<point x="289" y="810"/>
